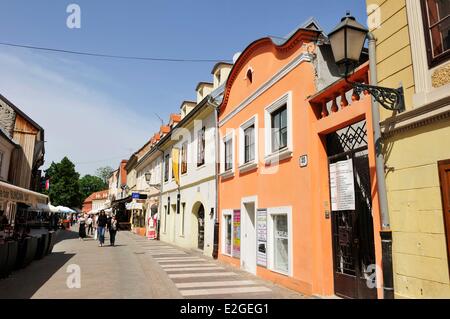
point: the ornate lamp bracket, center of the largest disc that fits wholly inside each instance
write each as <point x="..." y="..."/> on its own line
<point x="390" y="99"/>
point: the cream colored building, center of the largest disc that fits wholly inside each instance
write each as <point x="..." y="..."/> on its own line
<point x="414" y="54"/>
<point x="192" y="225"/>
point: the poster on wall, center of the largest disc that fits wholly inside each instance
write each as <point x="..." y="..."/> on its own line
<point x="237" y="233"/>
<point x="342" y="186"/>
<point x="261" y="237"/>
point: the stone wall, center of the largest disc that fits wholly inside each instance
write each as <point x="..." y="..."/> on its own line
<point x="7" y="118"/>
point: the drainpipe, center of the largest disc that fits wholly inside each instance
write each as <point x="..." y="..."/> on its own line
<point x="386" y="232"/>
<point x="216" y="107"/>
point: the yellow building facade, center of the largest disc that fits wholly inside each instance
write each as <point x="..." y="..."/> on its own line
<point x="413" y="52"/>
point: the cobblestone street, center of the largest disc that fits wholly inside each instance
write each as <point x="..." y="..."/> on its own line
<point x="134" y="268"/>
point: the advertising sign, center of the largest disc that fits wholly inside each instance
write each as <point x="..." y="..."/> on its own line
<point x="237" y="233"/>
<point x="342" y="186"/>
<point x="261" y="237"/>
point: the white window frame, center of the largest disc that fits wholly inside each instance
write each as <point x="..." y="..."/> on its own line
<point x="287" y="152"/>
<point x="229" y="173"/>
<point x="244" y="167"/>
<point x="271" y="212"/>
<point x="227" y="212"/>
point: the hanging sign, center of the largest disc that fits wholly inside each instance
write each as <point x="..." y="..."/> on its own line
<point x="261" y="237"/>
<point x="237" y="233"/>
<point x="342" y="186"/>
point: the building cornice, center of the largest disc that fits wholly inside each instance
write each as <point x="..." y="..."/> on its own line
<point x="422" y="116"/>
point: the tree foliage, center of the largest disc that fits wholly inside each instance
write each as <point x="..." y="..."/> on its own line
<point x="64" y="184"/>
<point x="90" y="184"/>
<point x="104" y="173"/>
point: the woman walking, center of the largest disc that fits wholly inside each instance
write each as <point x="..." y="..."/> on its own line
<point x="82" y="228"/>
<point x="101" y="225"/>
<point x="113" y="230"/>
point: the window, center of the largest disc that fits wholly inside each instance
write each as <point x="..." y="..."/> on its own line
<point x="201" y="147"/>
<point x="250" y="75"/>
<point x="281" y="243"/>
<point x="249" y="144"/>
<point x="279" y="128"/>
<point x="228" y="154"/>
<point x="228" y="233"/>
<point x="184" y="158"/>
<point x="166" y="168"/>
<point x="436" y="17"/>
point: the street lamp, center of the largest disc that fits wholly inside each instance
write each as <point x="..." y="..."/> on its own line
<point x="347" y="42"/>
<point x="148" y="178"/>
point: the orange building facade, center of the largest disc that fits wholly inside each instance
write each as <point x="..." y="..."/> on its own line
<point x="297" y="189"/>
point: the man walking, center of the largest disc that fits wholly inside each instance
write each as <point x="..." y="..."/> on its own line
<point x="101" y="225"/>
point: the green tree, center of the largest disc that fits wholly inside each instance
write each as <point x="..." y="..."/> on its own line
<point x="64" y="184"/>
<point x="90" y="184"/>
<point x="104" y="173"/>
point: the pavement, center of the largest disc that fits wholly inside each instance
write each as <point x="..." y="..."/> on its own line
<point x="136" y="268"/>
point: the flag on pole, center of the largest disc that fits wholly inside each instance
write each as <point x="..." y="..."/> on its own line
<point x="176" y="165"/>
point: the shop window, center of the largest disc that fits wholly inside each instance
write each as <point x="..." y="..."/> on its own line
<point x="436" y="20"/>
<point x="228" y="233"/>
<point x="281" y="243"/>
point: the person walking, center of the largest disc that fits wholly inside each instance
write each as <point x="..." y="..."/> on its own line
<point x="101" y="225"/>
<point x="89" y="222"/>
<point x="113" y="230"/>
<point x="94" y="223"/>
<point x="82" y="228"/>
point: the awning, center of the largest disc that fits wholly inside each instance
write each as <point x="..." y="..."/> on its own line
<point x="9" y="192"/>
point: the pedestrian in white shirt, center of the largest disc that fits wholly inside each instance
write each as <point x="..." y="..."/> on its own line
<point x="90" y="228"/>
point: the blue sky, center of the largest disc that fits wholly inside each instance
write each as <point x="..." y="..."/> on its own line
<point x="98" y="111"/>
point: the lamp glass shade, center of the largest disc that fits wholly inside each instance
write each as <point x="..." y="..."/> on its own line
<point x="355" y="44"/>
<point x="148" y="177"/>
<point x="347" y="40"/>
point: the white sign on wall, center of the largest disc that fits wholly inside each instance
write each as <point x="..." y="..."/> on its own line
<point x="342" y="186"/>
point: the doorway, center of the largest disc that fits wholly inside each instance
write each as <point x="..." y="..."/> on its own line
<point x="351" y="212"/>
<point x="201" y="227"/>
<point x="248" y="238"/>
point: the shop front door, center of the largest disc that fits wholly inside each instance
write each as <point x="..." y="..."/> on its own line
<point x="351" y="212"/>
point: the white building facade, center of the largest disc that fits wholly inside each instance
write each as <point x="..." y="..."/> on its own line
<point x="188" y="208"/>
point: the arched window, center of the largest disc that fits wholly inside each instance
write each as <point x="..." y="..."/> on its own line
<point x="250" y="75"/>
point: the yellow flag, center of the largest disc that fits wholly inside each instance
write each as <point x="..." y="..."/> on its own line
<point x="176" y="165"/>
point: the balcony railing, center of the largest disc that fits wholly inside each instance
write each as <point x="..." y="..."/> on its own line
<point x="340" y="94"/>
